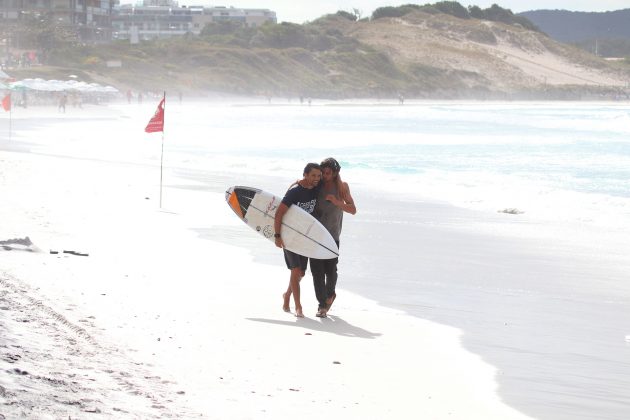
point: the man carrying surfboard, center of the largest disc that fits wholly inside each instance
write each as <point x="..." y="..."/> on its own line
<point x="333" y="200"/>
<point x="304" y="195"/>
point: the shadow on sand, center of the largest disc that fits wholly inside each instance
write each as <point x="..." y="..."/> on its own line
<point x="331" y="324"/>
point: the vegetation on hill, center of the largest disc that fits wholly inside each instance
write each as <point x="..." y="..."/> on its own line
<point x="435" y="50"/>
<point x="494" y="13"/>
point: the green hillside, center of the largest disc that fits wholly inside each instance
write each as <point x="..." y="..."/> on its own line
<point x="441" y="51"/>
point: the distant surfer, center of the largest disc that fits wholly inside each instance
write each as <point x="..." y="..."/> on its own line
<point x="333" y="200"/>
<point x="304" y="195"/>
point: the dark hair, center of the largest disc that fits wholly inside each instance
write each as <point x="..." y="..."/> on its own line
<point x="310" y="166"/>
<point x="331" y="163"/>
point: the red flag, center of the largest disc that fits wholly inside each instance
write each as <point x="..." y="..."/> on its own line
<point x="6" y="103"/>
<point x="157" y="122"/>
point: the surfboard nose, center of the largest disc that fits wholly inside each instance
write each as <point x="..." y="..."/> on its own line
<point x="232" y="198"/>
<point x="228" y="193"/>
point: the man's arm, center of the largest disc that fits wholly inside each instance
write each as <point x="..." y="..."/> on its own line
<point x="346" y="203"/>
<point x="277" y="223"/>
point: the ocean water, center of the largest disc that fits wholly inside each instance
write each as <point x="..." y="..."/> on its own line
<point x="543" y="294"/>
<point x="555" y="161"/>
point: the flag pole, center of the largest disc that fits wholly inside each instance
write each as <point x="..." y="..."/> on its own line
<point x="157" y="124"/>
<point x="10" y="116"/>
<point x="162" y="154"/>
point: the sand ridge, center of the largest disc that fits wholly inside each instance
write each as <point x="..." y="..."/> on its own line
<point x="485" y="54"/>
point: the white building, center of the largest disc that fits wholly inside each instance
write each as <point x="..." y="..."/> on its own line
<point x="165" y="18"/>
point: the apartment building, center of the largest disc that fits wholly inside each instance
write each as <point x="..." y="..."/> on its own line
<point x="165" y="18"/>
<point x="104" y="20"/>
<point x="90" y="18"/>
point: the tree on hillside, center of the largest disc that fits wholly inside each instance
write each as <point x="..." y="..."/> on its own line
<point x="346" y="15"/>
<point x="452" y="8"/>
<point x="390" y="11"/>
<point x="496" y="13"/>
<point x="476" y="12"/>
<point x="499" y="14"/>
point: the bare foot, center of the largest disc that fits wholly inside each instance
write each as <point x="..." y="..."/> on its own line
<point x="298" y="313"/>
<point x="330" y="301"/>
<point x="285" y="305"/>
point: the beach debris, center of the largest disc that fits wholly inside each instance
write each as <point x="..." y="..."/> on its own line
<point x="20" y="372"/>
<point x="92" y="410"/>
<point x="26" y="241"/>
<point x="18" y="244"/>
<point x="308" y="334"/>
<point x="80" y="254"/>
<point x="511" y="211"/>
<point x="294" y="390"/>
<point x="71" y="252"/>
<point x="336" y="363"/>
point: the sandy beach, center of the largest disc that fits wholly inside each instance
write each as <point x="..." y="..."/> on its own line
<point x="111" y="307"/>
<point x="114" y="307"/>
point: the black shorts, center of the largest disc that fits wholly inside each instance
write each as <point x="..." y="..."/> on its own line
<point x="294" y="260"/>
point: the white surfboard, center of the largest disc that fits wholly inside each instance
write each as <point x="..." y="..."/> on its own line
<point x="301" y="232"/>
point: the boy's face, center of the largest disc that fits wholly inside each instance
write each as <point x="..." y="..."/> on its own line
<point x="312" y="178"/>
<point x="327" y="174"/>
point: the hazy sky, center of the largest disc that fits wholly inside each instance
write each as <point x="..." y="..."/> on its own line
<point x="299" y="11"/>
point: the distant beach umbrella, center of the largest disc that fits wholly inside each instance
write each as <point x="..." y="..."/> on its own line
<point x="60" y="86"/>
<point x="19" y="85"/>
